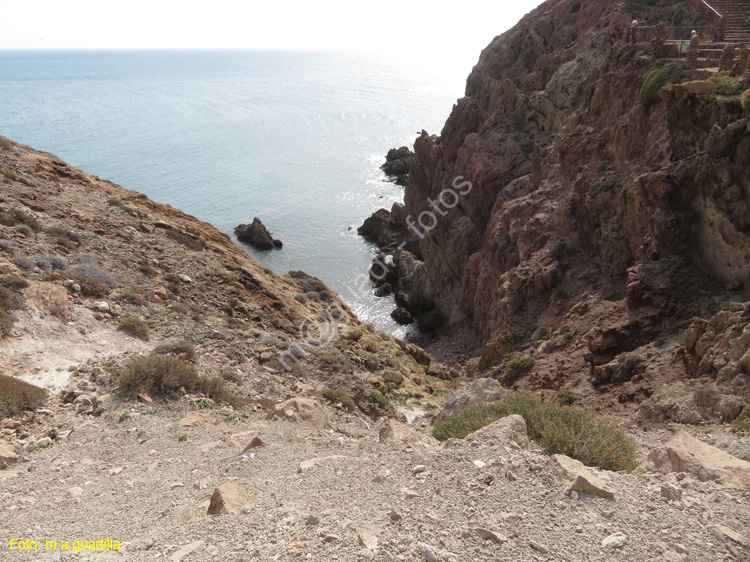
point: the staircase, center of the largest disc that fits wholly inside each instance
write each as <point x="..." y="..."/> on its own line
<point x="736" y="14"/>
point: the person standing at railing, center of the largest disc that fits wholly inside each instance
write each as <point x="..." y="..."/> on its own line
<point x="633" y="28"/>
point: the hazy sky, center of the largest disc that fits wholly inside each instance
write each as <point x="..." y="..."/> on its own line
<point x="465" y="26"/>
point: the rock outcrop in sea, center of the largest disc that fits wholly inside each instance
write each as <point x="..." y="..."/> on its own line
<point x="257" y="235"/>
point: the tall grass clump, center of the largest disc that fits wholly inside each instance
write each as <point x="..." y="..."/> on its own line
<point x="655" y="80"/>
<point x="558" y="429"/>
<point x="17" y="396"/>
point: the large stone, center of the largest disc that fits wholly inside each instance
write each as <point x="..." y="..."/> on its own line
<point x="7" y="455"/>
<point x="505" y="431"/>
<point x="198" y="419"/>
<point x="303" y="409"/>
<point x="684" y="453"/>
<point x="577" y="478"/>
<point x="228" y="498"/>
<point x="397" y="432"/>
<point x="480" y="391"/>
<point x="740" y="449"/>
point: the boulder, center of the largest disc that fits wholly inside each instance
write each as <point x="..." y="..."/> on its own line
<point x="398" y="163"/>
<point x="578" y="478"/>
<point x="684" y="453"/>
<point x="399" y="433"/>
<point x="480" y="391"/>
<point x="7" y="455"/>
<point x="228" y="498"/>
<point x="198" y="419"/>
<point x="402" y="316"/>
<point x="257" y="235"/>
<point x="740" y="449"/>
<point x="510" y="430"/>
<point x="303" y="409"/>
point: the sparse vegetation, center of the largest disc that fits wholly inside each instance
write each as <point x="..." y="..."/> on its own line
<point x="545" y="334"/>
<point x="725" y="84"/>
<point x="627" y="367"/>
<point x="515" y="368"/>
<point x="134" y="327"/>
<point x="24" y="218"/>
<point x="565" y="397"/>
<point x="742" y="423"/>
<point x="124" y="416"/>
<point x="745" y="100"/>
<point x="184" y="350"/>
<point x="89" y="268"/>
<point x="163" y="376"/>
<point x="336" y="396"/>
<point x="182" y="437"/>
<point x="381" y="399"/>
<point x="24" y="262"/>
<point x="17" y="396"/>
<point x="559" y="429"/>
<point x="655" y="80"/>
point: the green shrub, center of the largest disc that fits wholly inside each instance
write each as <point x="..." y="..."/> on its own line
<point x="338" y="396"/>
<point x="565" y="397"/>
<point x="134" y="327"/>
<point x="158" y="376"/>
<point x="182" y="437"/>
<point x="13" y="282"/>
<point x="515" y="368"/>
<point x="545" y="334"/>
<point x="162" y="376"/>
<point x="725" y="84"/>
<point x="559" y="429"/>
<point x="743" y="420"/>
<point x="745" y="99"/>
<point x="627" y="367"/>
<point x="381" y="399"/>
<point x="17" y="396"/>
<point x="657" y="79"/>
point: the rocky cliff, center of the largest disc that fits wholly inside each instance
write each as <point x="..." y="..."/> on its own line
<point x="584" y="200"/>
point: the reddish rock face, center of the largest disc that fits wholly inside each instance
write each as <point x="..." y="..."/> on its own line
<point x="575" y="188"/>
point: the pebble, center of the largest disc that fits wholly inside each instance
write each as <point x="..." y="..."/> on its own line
<point x="615" y="540"/>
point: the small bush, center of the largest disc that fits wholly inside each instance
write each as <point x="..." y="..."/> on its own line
<point x="313" y="296"/>
<point x="94" y="271"/>
<point x="162" y="376"/>
<point x="89" y="287"/>
<point x="627" y="367"/>
<point x="655" y="80"/>
<point x="545" y="334"/>
<point x="24" y="262"/>
<point x="13" y="282"/>
<point x="745" y="99"/>
<point x="725" y="84"/>
<point x="301" y="298"/>
<point x="24" y="230"/>
<point x="134" y="327"/>
<point x="183" y="350"/>
<point x="133" y="298"/>
<point x="8" y="246"/>
<point x="742" y="422"/>
<point x="337" y="396"/>
<point x="381" y="399"/>
<point x="17" y="396"/>
<point x="565" y="397"/>
<point x="157" y="375"/>
<point x="559" y="429"/>
<point x="52" y="262"/>
<point x="9" y="299"/>
<point x="24" y="218"/>
<point x="515" y="368"/>
<point x="65" y="237"/>
<point x="182" y="437"/>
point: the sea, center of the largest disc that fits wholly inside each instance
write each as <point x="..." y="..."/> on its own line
<point x="294" y="138"/>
